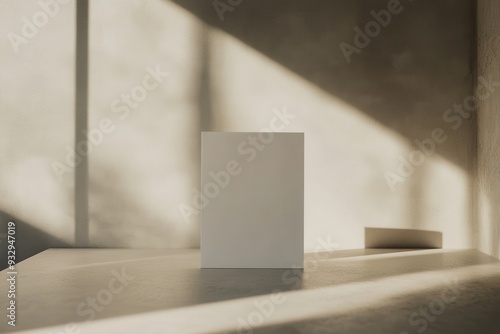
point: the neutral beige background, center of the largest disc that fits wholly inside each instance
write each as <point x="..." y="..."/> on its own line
<point x="229" y="75"/>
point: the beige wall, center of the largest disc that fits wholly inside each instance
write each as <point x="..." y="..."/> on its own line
<point x="36" y="123"/>
<point x="359" y="117"/>
<point x="489" y="130"/>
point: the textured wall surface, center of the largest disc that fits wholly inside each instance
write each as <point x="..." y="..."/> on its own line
<point x="489" y="129"/>
<point x="36" y="124"/>
<point x="235" y="70"/>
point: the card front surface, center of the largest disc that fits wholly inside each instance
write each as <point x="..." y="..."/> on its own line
<point x="252" y="200"/>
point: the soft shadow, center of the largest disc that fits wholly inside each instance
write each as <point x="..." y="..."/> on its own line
<point x="224" y="284"/>
<point x="81" y="125"/>
<point x="29" y="240"/>
<point x="172" y="280"/>
<point x="402" y="78"/>
<point x="324" y="269"/>
<point x="464" y="315"/>
<point x="112" y="202"/>
<point x="341" y="254"/>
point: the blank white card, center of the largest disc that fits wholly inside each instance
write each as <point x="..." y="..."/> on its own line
<point x="252" y="200"/>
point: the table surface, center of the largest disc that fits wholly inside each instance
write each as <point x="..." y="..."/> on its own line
<point x="164" y="291"/>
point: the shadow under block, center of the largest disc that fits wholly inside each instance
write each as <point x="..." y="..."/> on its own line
<point x="252" y="199"/>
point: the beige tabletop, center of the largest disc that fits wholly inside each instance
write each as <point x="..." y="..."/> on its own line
<point x="164" y="291"/>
